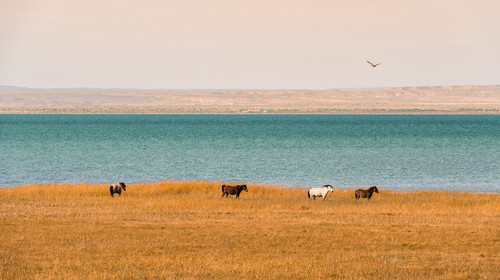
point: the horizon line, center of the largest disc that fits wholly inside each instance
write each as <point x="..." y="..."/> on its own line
<point x="11" y="87"/>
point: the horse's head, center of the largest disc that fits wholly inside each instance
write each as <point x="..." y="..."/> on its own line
<point x="244" y="187"/>
<point x="328" y="188"/>
<point x="123" y="186"/>
<point x="375" y="189"/>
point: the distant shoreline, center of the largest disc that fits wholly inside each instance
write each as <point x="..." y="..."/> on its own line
<point x="402" y="100"/>
<point x="241" y="111"/>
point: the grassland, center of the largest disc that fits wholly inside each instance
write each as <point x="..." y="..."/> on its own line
<point x="184" y="230"/>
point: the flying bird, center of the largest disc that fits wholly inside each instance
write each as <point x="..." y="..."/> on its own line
<point x="373" y="65"/>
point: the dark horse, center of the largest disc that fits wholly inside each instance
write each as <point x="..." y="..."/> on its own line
<point x="117" y="189"/>
<point x="233" y="190"/>
<point x="366" y="193"/>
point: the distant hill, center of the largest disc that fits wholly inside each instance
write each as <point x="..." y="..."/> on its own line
<point x="432" y="99"/>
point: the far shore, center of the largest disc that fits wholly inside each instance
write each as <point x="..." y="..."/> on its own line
<point x="469" y="110"/>
<point x="407" y="100"/>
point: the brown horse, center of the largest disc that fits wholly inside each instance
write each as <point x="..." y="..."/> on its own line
<point x="366" y="193"/>
<point x="233" y="190"/>
<point x="117" y="189"/>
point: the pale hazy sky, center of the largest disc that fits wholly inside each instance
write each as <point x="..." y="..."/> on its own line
<point x="253" y="44"/>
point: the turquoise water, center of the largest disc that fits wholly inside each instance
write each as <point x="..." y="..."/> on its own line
<point x="401" y="152"/>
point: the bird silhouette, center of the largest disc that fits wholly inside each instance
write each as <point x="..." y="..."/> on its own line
<point x="373" y="65"/>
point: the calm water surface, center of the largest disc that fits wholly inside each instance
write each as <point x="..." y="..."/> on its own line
<point x="407" y="152"/>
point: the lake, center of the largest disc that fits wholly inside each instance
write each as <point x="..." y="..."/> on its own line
<point x="399" y="152"/>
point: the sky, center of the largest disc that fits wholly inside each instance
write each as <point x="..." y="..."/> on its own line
<point x="252" y="44"/>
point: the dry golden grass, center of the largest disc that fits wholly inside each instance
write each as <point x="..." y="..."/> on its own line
<point x="184" y="230"/>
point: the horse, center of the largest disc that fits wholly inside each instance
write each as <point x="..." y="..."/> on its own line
<point x="365" y="193"/>
<point x="323" y="191"/>
<point x="117" y="189"/>
<point x="233" y="190"/>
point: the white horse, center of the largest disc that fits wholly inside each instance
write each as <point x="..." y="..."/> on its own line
<point x="317" y="192"/>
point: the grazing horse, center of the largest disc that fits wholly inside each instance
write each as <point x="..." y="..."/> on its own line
<point x="366" y="193"/>
<point x="317" y="192"/>
<point x="117" y="189"/>
<point x="233" y="190"/>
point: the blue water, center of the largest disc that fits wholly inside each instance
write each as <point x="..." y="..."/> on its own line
<point x="400" y="152"/>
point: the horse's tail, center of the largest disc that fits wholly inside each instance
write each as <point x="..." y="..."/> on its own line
<point x="309" y="194"/>
<point x="223" y="187"/>
<point x="111" y="190"/>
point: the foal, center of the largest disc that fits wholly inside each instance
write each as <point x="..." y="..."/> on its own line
<point x="365" y="193"/>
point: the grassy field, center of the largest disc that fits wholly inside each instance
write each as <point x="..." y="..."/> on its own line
<point x="184" y="230"/>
